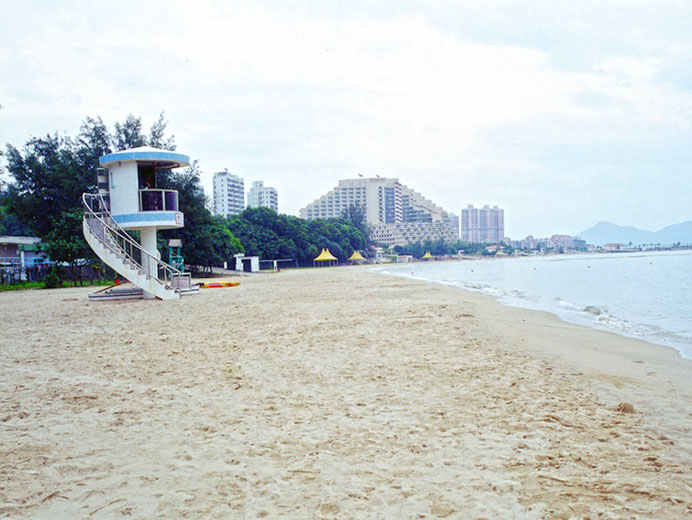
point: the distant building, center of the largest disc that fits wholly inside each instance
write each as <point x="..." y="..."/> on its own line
<point x="479" y="225"/>
<point x="261" y="196"/>
<point x="455" y="222"/>
<point x="614" y="247"/>
<point x="20" y="251"/>
<point x="528" y="243"/>
<point x="229" y="194"/>
<point x="561" y="242"/>
<point x="580" y="244"/>
<point x="396" y="214"/>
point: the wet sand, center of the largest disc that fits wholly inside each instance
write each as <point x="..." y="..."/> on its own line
<point x="333" y="393"/>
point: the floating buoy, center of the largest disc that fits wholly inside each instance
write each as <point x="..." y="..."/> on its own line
<point x="213" y="285"/>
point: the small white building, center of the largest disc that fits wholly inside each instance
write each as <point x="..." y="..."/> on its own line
<point x="248" y="264"/>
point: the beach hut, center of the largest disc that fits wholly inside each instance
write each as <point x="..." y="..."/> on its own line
<point x="426" y="256"/>
<point x="356" y="257"/>
<point x="324" y="256"/>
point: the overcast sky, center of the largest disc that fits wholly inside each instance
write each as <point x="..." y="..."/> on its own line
<point x="562" y="113"/>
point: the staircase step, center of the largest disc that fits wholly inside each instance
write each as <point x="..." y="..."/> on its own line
<point x="101" y="240"/>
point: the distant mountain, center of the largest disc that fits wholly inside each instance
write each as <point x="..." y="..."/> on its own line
<point x="607" y="232"/>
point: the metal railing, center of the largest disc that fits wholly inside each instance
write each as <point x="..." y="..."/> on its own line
<point x="14" y="261"/>
<point x="158" y="200"/>
<point x="101" y="223"/>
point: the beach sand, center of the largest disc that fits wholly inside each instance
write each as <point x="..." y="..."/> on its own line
<point x="333" y="393"/>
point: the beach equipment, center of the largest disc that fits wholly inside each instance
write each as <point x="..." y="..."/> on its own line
<point x="214" y="285"/>
<point x="325" y="256"/>
<point x="426" y="256"/>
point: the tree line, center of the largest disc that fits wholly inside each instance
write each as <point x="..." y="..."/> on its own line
<point x="48" y="175"/>
<point x="442" y="247"/>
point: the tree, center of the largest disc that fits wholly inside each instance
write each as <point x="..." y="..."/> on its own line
<point x="129" y="134"/>
<point x="49" y="179"/>
<point x="10" y="224"/>
<point x="63" y="245"/>
<point x="269" y="235"/>
<point x="355" y="214"/>
<point x="157" y="135"/>
<point x="93" y="141"/>
<point x="49" y="175"/>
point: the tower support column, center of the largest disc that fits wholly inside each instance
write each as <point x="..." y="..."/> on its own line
<point x="148" y="238"/>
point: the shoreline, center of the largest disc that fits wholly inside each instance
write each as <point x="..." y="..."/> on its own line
<point x="334" y="393"/>
<point x="579" y="314"/>
<point x="522" y="304"/>
<point x="611" y="343"/>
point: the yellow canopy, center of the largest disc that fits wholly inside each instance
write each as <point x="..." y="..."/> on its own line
<point x="325" y="256"/>
<point x="427" y="255"/>
<point x="356" y="256"/>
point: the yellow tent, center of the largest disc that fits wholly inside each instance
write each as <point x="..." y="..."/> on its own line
<point x="426" y="255"/>
<point x="325" y="256"/>
<point x="356" y="257"/>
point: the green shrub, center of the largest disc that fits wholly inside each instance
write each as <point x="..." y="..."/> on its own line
<point x="52" y="281"/>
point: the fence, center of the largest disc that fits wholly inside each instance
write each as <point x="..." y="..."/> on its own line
<point x="12" y="274"/>
<point x="280" y="263"/>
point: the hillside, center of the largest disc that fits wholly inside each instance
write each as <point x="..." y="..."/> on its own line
<point x="607" y="232"/>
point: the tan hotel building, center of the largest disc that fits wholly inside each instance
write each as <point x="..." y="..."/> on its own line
<point x="396" y="214"/>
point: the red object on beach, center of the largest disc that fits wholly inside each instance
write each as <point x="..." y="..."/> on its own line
<point x="116" y="281"/>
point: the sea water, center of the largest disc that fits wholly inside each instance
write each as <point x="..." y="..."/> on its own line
<point x="646" y="295"/>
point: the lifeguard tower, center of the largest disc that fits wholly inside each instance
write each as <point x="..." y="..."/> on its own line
<point x="129" y="199"/>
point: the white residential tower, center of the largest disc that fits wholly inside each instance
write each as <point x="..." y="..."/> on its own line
<point x="261" y="196"/>
<point x="229" y="194"/>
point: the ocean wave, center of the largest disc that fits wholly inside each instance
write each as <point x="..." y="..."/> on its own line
<point x="593" y="309"/>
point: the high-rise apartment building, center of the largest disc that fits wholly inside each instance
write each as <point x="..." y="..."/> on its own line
<point x="454" y="221"/>
<point x="482" y="225"/>
<point x="229" y="194"/>
<point x="261" y="196"/>
<point x="396" y="214"/>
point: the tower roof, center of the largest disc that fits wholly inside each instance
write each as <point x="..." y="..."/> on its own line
<point x="159" y="158"/>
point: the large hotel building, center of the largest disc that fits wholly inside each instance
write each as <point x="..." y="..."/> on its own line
<point x="396" y="214"/>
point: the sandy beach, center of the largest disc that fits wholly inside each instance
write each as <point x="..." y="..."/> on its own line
<point x="333" y="393"/>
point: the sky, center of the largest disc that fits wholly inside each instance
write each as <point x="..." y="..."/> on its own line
<point x="561" y="113"/>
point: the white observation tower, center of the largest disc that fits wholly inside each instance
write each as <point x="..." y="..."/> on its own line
<point x="129" y="199"/>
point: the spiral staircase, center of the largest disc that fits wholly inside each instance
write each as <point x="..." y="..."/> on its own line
<point x="126" y="257"/>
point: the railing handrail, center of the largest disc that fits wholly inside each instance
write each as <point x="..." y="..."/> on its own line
<point x="114" y="229"/>
<point x="156" y="189"/>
